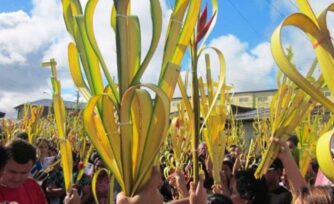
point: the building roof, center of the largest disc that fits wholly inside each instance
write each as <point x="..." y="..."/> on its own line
<point x="251" y="115"/>
<point x="48" y="103"/>
<point x="240" y="109"/>
<point x="258" y="91"/>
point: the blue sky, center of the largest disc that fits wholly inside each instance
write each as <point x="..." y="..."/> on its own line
<point x="246" y="19"/>
<point x="32" y="31"/>
<point x="14" y="5"/>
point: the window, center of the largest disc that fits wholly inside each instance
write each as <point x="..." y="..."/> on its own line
<point x="262" y="98"/>
<point x="243" y="99"/>
<point x="327" y="93"/>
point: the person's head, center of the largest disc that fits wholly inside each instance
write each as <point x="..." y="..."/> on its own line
<point x="316" y="195"/>
<point x="219" y="199"/>
<point x="20" y="159"/>
<point x="22" y="136"/>
<point x="251" y="189"/>
<point x="42" y="145"/>
<point x="234" y="151"/>
<point x="227" y="167"/>
<point x="274" y="174"/>
<point x="292" y="141"/>
<point x="202" y="149"/>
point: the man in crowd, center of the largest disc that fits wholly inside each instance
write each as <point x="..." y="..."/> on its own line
<point x="16" y="161"/>
<point x="277" y="193"/>
<point x="15" y="183"/>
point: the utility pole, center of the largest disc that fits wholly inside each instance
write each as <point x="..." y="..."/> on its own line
<point x="77" y="101"/>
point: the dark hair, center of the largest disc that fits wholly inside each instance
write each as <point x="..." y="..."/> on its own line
<point x="294" y="139"/>
<point x="21" y="151"/>
<point x="251" y="189"/>
<point x="219" y="199"/>
<point x="233" y="146"/>
<point x="228" y="162"/>
<point x="22" y="135"/>
<point x="277" y="165"/>
<point x="3" y="157"/>
<point x="315" y="165"/>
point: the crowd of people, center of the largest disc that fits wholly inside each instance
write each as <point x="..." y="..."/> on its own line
<point x="32" y="174"/>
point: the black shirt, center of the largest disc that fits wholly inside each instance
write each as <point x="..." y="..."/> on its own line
<point x="280" y="196"/>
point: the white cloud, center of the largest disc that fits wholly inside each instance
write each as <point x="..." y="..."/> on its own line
<point x="26" y="40"/>
<point x="12" y="19"/>
<point x="246" y="68"/>
<point x="58" y="50"/>
<point x="9" y="100"/>
<point x="24" y="34"/>
<point x="302" y="48"/>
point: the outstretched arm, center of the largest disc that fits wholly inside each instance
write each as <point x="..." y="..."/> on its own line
<point x="295" y="178"/>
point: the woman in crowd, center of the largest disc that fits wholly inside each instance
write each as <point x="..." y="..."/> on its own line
<point x="43" y="158"/>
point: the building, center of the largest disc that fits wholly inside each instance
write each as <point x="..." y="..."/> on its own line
<point x="247" y="105"/>
<point x="260" y="102"/>
<point x="47" y="104"/>
<point x="253" y="99"/>
<point x="262" y="98"/>
<point x="175" y="101"/>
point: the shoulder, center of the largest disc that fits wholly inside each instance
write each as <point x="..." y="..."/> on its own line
<point x="279" y="196"/>
<point x="30" y="182"/>
<point x="35" y="191"/>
